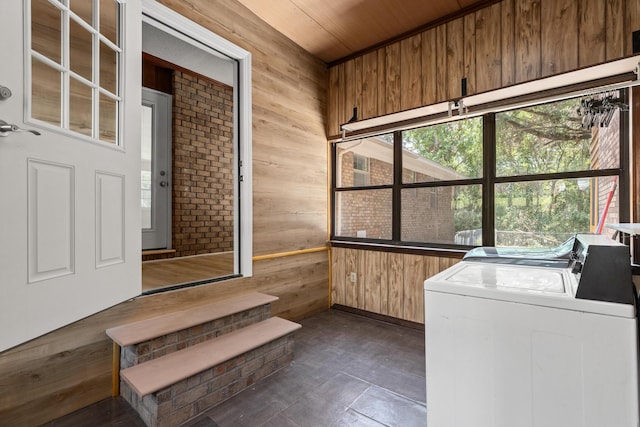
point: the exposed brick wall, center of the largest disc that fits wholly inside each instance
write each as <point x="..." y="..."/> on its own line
<point x="605" y="153"/>
<point x="202" y="165"/>
<point x="194" y="395"/>
<point x="427" y="216"/>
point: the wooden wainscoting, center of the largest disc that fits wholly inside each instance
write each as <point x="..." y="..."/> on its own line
<point x="385" y="283"/>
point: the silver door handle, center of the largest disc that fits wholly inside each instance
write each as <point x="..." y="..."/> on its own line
<point x="5" y="128"/>
<point x="163" y="183"/>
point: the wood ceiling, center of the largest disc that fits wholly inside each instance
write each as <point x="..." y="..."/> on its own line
<point x="335" y="29"/>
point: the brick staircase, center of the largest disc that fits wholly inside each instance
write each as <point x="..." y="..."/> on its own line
<point x="176" y="366"/>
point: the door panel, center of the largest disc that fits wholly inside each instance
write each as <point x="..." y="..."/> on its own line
<point x="51" y="222"/>
<point x="70" y="218"/>
<point x="110" y="219"/>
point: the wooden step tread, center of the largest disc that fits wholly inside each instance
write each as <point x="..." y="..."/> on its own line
<point x="160" y="373"/>
<point x="144" y="330"/>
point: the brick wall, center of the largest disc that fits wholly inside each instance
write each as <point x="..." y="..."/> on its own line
<point x="427" y="214"/>
<point x="202" y="165"/>
<point x="605" y="154"/>
<point x="194" y="395"/>
<point x="186" y="399"/>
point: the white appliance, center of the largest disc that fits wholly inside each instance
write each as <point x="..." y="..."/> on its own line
<point x="511" y="343"/>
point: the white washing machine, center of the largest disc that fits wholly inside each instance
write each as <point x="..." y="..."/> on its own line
<point x="516" y="344"/>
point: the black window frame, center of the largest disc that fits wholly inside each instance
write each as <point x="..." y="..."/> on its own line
<point x="487" y="181"/>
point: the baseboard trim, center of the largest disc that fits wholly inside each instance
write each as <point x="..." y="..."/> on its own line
<point x="380" y="317"/>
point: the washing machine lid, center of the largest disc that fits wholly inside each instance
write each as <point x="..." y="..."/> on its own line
<point x="510" y="277"/>
<point x="549" y="287"/>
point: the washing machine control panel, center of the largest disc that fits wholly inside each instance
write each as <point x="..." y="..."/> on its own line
<point x="602" y="268"/>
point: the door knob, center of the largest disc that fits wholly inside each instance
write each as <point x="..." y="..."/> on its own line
<point x="5" y="93"/>
<point x="5" y="128"/>
<point x="163" y="183"/>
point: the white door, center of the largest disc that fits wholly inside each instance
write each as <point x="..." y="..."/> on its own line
<point x="69" y="198"/>
<point x="155" y="182"/>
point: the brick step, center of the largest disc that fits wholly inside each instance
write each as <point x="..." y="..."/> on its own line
<point x="156" y="374"/>
<point x="179" y="386"/>
<point x="158" y="336"/>
<point x="145" y="330"/>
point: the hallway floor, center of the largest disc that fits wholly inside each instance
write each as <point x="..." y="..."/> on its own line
<point x="347" y="371"/>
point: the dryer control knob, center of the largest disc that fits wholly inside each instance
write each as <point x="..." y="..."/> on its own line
<point x="577" y="267"/>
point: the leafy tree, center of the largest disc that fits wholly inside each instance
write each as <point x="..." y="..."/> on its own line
<point x="546" y="138"/>
<point x="458" y="146"/>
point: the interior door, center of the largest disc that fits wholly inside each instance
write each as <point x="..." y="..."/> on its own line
<point x="155" y="183"/>
<point x="69" y="211"/>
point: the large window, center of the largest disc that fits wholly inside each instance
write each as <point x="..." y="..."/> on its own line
<point x="530" y="177"/>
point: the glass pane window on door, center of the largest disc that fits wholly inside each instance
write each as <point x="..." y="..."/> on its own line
<point x="74" y="66"/>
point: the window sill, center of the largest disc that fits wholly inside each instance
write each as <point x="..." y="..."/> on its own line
<point x="404" y="249"/>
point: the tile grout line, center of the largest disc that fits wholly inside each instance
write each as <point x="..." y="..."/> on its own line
<point x="383" y="388"/>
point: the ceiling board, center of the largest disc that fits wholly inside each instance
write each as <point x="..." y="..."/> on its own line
<point x="334" y="29"/>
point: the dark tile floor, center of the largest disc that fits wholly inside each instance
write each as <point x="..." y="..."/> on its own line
<point x="347" y="371"/>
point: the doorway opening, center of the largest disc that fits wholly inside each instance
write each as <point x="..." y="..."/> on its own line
<point x="198" y="189"/>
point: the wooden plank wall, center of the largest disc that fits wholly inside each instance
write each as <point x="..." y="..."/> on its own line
<point x="509" y="42"/>
<point x="385" y="283"/>
<point x="71" y="367"/>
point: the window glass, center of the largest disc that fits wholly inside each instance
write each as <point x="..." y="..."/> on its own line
<point x="544" y="213"/>
<point x="46" y="31"/>
<point x="108" y="68"/>
<point x="108" y="119"/>
<point x="365" y="162"/>
<point x="109" y="20"/>
<point x="146" y="172"/>
<point x="81" y="50"/>
<point x="551" y="138"/>
<point x="72" y="71"/>
<point x="80" y="108"/>
<point x="443" y="152"/>
<point x="451" y="214"/>
<point x="83" y="8"/>
<point x="360" y="170"/>
<point x="549" y="181"/>
<point x="364" y="214"/>
<point x="45" y="81"/>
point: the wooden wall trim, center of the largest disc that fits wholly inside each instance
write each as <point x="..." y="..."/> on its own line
<point x="290" y="253"/>
<point x="409" y="250"/>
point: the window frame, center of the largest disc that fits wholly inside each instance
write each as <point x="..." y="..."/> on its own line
<point x="488" y="182"/>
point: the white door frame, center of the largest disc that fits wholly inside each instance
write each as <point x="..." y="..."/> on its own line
<point x="159" y="16"/>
